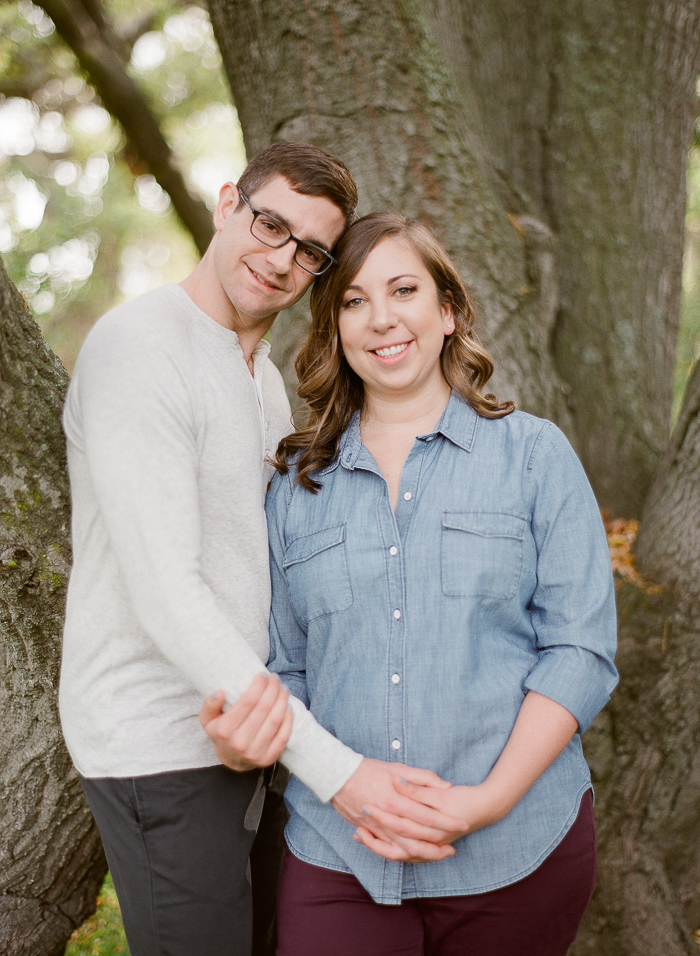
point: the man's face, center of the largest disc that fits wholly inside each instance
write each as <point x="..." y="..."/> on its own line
<point x="259" y="281"/>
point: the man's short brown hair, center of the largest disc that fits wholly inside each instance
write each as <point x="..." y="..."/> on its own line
<point x="309" y="170"/>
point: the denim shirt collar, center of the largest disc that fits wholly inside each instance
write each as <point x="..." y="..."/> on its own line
<point x="457" y="423"/>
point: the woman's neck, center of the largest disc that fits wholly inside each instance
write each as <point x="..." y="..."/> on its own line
<point x="384" y="413"/>
<point x="389" y="429"/>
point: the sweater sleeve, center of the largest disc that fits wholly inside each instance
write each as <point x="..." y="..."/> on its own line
<point x="133" y="411"/>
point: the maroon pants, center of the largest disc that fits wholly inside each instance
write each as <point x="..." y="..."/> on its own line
<point x="321" y="912"/>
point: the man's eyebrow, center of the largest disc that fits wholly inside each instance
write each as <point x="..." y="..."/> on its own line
<point x="285" y="223"/>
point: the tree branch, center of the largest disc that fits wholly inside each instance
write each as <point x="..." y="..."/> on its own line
<point x="96" y="45"/>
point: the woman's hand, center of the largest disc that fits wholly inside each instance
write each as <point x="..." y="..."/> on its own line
<point x="255" y="730"/>
<point x="374" y="784"/>
<point x="450" y="814"/>
<point x="541" y="731"/>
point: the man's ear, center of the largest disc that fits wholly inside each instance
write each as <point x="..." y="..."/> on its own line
<point x="229" y="197"/>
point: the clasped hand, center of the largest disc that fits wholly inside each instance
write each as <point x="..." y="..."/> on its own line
<point x="399" y="812"/>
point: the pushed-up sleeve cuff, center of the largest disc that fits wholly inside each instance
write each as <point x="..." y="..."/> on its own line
<point x="578" y="679"/>
<point x="316" y="757"/>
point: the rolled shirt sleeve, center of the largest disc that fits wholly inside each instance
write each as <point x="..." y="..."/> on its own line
<point x="573" y="605"/>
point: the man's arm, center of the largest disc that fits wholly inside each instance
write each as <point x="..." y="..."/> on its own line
<point x="254" y="733"/>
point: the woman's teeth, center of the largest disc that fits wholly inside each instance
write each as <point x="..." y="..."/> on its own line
<point x="394" y="350"/>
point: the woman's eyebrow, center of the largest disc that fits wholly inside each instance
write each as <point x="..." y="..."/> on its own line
<point x="404" y="275"/>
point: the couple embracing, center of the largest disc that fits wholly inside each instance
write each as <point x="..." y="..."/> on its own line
<point x="428" y="576"/>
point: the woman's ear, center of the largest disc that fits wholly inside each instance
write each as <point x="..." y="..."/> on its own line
<point x="448" y="318"/>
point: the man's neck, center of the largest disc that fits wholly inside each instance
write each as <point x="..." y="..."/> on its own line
<point x="211" y="299"/>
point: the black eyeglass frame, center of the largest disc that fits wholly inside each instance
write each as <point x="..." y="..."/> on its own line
<point x="291" y="237"/>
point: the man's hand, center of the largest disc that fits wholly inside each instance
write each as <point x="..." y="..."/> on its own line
<point x="451" y="814"/>
<point x="255" y="730"/>
<point x="375" y="784"/>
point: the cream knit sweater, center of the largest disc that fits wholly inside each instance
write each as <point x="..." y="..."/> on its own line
<point x="169" y="596"/>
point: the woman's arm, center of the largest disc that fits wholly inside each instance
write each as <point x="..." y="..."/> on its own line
<point x="541" y="731"/>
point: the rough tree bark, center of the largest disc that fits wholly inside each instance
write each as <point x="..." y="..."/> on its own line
<point x="644" y="749"/>
<point x="51" y="860"/>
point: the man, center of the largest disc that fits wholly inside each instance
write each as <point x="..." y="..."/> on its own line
<point x="170" y="416"/>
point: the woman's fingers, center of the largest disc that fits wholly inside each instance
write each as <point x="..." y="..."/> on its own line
<point x="425" y="778"/>
<point x="255" y="730"/>
<point x="276" y="746"/>
<point x="442" y="830"/>
<point x="408" y="851"/>
<point x="211" y="708"/>
<point x="429" y="796"/>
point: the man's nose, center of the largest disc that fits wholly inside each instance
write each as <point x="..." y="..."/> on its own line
<point x="282" y="258"/>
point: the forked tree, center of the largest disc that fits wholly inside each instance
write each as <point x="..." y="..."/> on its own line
<point x="546" y="145"/>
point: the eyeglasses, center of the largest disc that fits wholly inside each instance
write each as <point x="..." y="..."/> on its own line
<point x="273" y="233"/>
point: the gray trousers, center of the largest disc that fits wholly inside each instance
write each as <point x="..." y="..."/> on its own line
<point x="181" y="847"/>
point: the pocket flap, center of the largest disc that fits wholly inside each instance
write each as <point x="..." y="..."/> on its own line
<point x="488" y="524"/>
<point x="306" y="546"/>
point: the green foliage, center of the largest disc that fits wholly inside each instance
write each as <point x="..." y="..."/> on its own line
<point x="83" y="225"/>
<point x="103" y="933"/>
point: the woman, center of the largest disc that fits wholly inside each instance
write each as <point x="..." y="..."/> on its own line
<point x="442" y="596"/>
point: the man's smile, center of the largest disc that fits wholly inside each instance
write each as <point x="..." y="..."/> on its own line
<point x="263" y="281"/>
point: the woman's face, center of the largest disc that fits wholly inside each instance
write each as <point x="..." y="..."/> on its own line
<point x="391" y="323"/>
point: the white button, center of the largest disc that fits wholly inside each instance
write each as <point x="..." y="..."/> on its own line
<point x="397" y="614"/>
<point x="396" y="745"/>
<point x="393" y="550"/>
<point x="395" y="678"/>
<point x="407" y="496"/>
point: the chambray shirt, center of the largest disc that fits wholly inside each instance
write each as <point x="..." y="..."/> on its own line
<point x="415" y="636"/>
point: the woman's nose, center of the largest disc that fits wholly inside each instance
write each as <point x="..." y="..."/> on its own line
<point x="382" y="318"/>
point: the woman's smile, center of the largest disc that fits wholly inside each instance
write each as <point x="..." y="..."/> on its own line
<point x="392" y="324"/>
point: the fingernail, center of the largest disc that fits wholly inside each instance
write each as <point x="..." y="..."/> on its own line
<point x="284" y="687"/>
<point x="401" y="780"/>
<point x="365" y="810"/>
<point x="289" y="707"/>
<point x="214" y="697"/>
<point x="356" y="836"/>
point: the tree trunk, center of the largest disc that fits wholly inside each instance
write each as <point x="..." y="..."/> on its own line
<point x="545" y="144"/>
<point x="367" y="79"/>
<point x="644" y="750"/>
<point x="51" y="860"/>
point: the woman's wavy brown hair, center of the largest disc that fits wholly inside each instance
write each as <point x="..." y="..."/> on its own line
<point x="333" y="392"/>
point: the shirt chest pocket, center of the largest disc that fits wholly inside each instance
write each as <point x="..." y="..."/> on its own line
<point x="481" y="554"/>
<point x="316" y="566"/>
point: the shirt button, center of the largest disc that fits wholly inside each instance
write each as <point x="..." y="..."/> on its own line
<point x="396" y="745"/>
<point x="397" y="614"/>
<point x="393" y="550"/>
<point x="395" y="678"/>
<point x="407" y="496"/>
